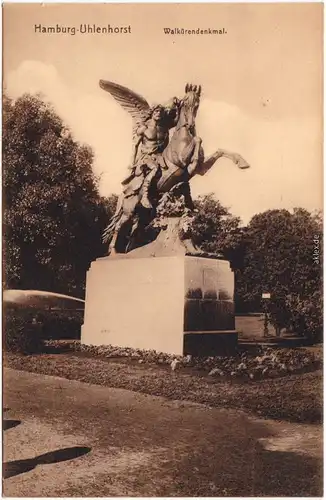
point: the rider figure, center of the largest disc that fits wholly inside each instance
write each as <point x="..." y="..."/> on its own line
<point x="151" y="139"/>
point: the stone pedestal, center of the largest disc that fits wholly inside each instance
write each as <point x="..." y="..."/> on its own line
<point x="209" y="322"/>
<point x="176" y="304"/>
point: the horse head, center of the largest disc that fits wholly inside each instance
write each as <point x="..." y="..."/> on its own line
<point x="190" y="104"/>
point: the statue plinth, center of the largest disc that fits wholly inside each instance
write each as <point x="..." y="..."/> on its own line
<point x="170" y="302"/>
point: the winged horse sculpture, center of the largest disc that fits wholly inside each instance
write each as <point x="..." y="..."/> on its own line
<point x="177" y="160"/>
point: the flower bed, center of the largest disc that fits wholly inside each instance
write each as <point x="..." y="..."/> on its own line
<point x="265" y="363"/>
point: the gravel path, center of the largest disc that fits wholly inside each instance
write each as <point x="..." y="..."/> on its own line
<point x="116" y="442"/>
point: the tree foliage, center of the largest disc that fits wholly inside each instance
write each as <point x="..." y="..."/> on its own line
<point x="278" y="252"/>
<point x="216" y="230"/>
<point x="53" y="213"/>
<point x="280" y="258"/>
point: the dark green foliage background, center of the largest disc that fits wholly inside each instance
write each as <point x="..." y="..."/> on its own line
<point x="21" y="335"/>
<point x="53" y="213"/>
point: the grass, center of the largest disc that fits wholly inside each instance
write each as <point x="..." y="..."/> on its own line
<point x="296" y="397"/>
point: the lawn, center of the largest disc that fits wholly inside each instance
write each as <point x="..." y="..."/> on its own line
<point x="252" y="326"/>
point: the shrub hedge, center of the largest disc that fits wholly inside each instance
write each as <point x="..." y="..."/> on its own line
<point x="22" y="332"/>
<point x="25" y="331"/>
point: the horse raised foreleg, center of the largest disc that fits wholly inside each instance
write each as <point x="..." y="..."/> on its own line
<point x="207" y="164"/>
<point x="195" y="157"/>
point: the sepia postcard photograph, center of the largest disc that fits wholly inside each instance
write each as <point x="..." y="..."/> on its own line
<point x="162" y="172"/>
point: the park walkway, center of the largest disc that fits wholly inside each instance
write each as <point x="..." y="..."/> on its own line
<point x="68" y="438"/>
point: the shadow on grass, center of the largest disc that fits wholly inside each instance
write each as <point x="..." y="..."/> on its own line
<point x="16" y="467"/>
<point x="9" y="424"/>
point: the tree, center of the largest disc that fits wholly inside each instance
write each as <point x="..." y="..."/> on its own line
<point x="216" y="230"/>
<point x="53" y="213"/>
<point x="280" y="258"/>
<point x="110" y="204"/>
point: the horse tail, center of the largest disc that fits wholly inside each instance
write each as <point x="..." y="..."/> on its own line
<point x="109" y="230"/>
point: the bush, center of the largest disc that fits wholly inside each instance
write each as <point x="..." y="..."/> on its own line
<point x="62" y="324"/>
<point x="25" y="331"/>
<point x="301" y="315"/>
<point x="22" y="332"/>
<point x="279" y="314"/>
<point x="307" y="315"/>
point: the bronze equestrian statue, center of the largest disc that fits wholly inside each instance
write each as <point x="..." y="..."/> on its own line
<point x="158" y="164"/>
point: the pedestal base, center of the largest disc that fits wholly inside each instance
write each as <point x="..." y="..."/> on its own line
<point x="175" y="304"/>
<point x="220" y="343"/>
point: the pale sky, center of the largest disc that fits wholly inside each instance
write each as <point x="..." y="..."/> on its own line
<point x="262" y="87"/>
